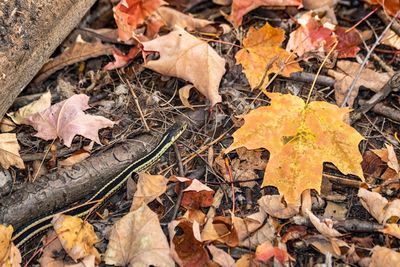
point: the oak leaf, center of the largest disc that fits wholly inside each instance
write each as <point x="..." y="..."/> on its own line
<point x="9" y="253"/>
<point x="242" y="7"/>
<point x="184" y="56"/>
<point x="138" y="240"/>
<point x="9" y="151"/>
<point x="262" y="55"/>
<point x="67" y="119"/>
<point x="129" y="14"/>
<point x="300" y="138"/>
<point x="76" y="236"/>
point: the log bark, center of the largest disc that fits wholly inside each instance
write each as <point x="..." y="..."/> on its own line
<point x="30" y="31"/>
<point x="56" y="190"/>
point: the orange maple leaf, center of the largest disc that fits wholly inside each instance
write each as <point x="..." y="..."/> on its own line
<point x="242" y="7"/>
<point x="390" y="6"/>
<point x="129" y="14"/>
<point x="262" y="53"/>
<point x="300" y="138"/>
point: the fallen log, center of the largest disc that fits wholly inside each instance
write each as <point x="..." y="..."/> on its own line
<point x="30" y="31"/>
<point x="56" y="190"/>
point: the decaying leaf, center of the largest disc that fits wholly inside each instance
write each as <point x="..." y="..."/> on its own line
<point x="325" y="227"/>
<point x="243" y="167"/>
<point x="300" y="138"/>
<point x="266" y="251"/>
<point x="185" y="242"/>
<point x="67" y="119"/>
<point x="53" y="247"/>
<point x="184" y="56"/>
<point x="129" y="14"/>
<point x="149" y="187"/>
<point x="382" y="256"/>
<point x="76" y="236"/>
<point x="379" y="207"/>
<point x="36" y="106"/>
<point x="79" y="51"/>
<point x="196" y="195"/>
<point x="274" y="206"/>
<point x="344" y="76"/>
<point x="391" y="39"/>
<point x="9" y="151"/>
<point x="222" y="229"/>
<point x="242" y="7"/>
<point x="389" y="156"/>
<point x="262" y="55"/>
<point x="138" y="240"/>
<point x="9" y="253"/>
<point x="221" y="257"/>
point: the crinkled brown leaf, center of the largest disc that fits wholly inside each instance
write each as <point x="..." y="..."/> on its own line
<point x="300" y="138"/>
<point x="67" y="119"/>
<point x="379" y="207"/>
<point x="138" y="240"/>
<point x="184" y="56"/>
<point x="149" y="187"/>
<point x="9" y="151"/>
<point x="274" y="206"/>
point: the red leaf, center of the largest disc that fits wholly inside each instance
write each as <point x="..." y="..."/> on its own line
<point x="266" y="251"/>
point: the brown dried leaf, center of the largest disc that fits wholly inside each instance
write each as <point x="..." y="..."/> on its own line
<point x="389" y="156"/>
<point x="138" y="240"/>
<point x="9" y="151"/>
<point x="275" y="206"/>
<point x="221" y="257"/>
<point x="75" y="158"/>
<point x="325" y="227"/>
<point x="149" y="187"/>
<point x="36" y="106"/>
<point x="67" y="119"/>
<point x="80" y="51"/>
<point x="379" y="207"/>
<point x="382" y="257"/>
<point x="172" y="17"/>
<point x="221" y="229"/>
<point x="184" y="56"/>
<point x="392" y="229"/>
<point x="344" y="77"/>
<point x="391" y="39"/>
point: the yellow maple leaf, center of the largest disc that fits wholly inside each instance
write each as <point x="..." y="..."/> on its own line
<point x="76" y="236"/>
<point x="262" y="52"/>
<point x="300" y="138"/>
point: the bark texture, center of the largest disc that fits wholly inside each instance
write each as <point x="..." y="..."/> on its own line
<point x="64" y="187"/>
<point x="30" y="31"/>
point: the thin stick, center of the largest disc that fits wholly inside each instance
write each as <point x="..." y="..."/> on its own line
<point x="357" y="76"/>
<point x="135" y="98"/>
<point x="319" y="71"/>
<point x="43" y="159"/>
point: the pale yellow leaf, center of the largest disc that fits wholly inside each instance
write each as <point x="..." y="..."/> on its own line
<point x="9" y="151"/>
<point x="36" y="106"/>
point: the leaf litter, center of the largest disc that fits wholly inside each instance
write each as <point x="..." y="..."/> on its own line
<point x="270" y="195"/>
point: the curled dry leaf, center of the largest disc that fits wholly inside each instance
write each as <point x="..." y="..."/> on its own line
<point x="326" y="245"/>
<point x="246" y="226"/>
<point x="138" y="240"/>
<point x="67" y="119"/>
<point x="53" y="247"/>
<point x="344" y="77"/>
<point x="325" y="227"/>
<point x="171" y="18"/>
<point x="392" y="229"/>
<point x="9" y="253"/>
<point x="76" y="236"/>
<point x="196" y="195"/>
<point x="186" y="246"/>
<point x="129" y="14"/>
<point x="184" y="56"/>
<point x="249" y="260"/>
<point x="149" y="187"/>
<point x="9" y="151"/>
<point x="243" y="167"/>
<point x="184" y="94"/>
<point x="262" y="56"/>
<point x="382" y="257"/>
<point x="79" y="51"/>
<point x="379" y="207"/>
<point x="221" y="257"/>
<point x="388" y="155"/>
<point x="242" y="7"/>
<point x="275" y="206"/>
<point x="391" y="39"/>
<point x="266" y="251"/>
<point x="300" y="138"/>
<point x="221" y="229"/>
<point x="36" y="106"/>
